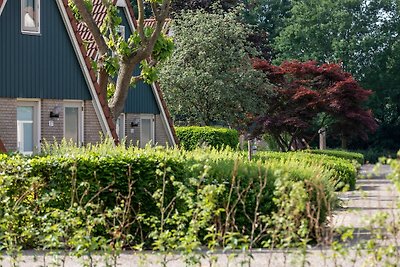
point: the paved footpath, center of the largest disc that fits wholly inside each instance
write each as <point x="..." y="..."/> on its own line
<point x="374" y="194"/>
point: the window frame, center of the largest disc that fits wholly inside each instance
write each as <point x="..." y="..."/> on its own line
<point x="80" y="106"/>
<point x="152" y="129"/>
<point x="36" y="123"/>
<point x="120" y="126"/>
<point x="30" y="30"/>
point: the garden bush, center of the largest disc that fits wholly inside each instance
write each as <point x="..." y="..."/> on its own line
<point x="192" y="137"/>
<point x="172" y="195"/>
<point x="340" y="154"/>
<point x="343" y="173"/>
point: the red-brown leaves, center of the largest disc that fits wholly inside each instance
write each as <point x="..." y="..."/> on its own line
<point x="304" y="90"/>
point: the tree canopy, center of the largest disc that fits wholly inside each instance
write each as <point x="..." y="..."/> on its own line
<point x="361" y="35"/>
<point x="118" y="57"/>
<point x="307" y="95"/>
<point x="209" y="77"/>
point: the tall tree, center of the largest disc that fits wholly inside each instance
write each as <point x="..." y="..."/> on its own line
<point x="307" y="94"/>
<point x="361" y="35"/>
<point x="209" y="77"/>
<point x="117" y="57"/>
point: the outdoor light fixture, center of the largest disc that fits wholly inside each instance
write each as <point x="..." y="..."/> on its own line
<point x="55" y="113"/>
<point x="135" y="123"/>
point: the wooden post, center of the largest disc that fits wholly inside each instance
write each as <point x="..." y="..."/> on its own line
<point x="249" y="150"/>
<point x="322" y="138"/>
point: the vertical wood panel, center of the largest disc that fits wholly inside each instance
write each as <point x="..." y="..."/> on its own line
<point x="42" y="66"/>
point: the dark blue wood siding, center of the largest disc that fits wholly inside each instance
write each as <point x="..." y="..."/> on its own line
<point x="42" y="66"/>
<point x="140" y="98"/>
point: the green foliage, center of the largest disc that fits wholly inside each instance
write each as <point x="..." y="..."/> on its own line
<point x="373" y="154"/>
<point x="89" y="198"/>
<point x="343" y="173"/>
<point x="75" y="11"/>
<point x="209" y="77"/>
<point x="362" y="36"/>
<point x="340" y="154"/>
<point x="192" y="137"/>
<point x="395" y="175"/>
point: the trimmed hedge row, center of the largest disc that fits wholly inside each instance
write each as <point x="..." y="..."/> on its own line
<point x="192" y="137"/>
<point x="340" y="154"/>
<point x="280" y="190"/>
<point x="343" y="173"/>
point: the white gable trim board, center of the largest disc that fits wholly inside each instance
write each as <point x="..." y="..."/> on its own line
<point x="92" y="89"/>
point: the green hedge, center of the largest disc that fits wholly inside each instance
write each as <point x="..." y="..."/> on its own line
<point x="286" y="189"/>
<point x="340" y="154"/>
<point x="342" y="172"/>
<point x="194" y="136"/>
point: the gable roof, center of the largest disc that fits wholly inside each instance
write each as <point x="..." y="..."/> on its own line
<point x="86" y="36"/>
<point x="101" y="107"/>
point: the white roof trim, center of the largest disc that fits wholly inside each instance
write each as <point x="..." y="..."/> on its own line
<point x="2" y="7"/>
<point x="164" y="118"/>
<point x="128" y="15"/>
<point x="121" y="3"/>
<point x="92" y="89"/>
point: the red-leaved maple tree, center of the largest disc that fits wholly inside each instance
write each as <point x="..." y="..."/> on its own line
<point x="307" y="94"/>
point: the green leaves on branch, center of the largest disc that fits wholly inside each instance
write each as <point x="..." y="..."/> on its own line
<point x="75" y="11"/>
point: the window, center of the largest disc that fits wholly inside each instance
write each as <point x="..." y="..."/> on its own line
<point x="27" y="127"/>
<point x="73" y="122"/>
<point x="30" y="16"/>
<point x="146" y="130"/>
<point x="120" y="125"/>
<point x="121" y="31"/>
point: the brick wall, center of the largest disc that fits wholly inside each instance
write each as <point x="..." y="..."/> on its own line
<point x="92" y="125"/>
<point x="161" y="137"/>
<point x="52" y="128"/>
<point x="161" y="132"/>
<point x="8" y="123"/>
<point x="132" y="138"/>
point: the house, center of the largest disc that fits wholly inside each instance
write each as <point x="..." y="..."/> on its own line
<point x="48" y="88"/>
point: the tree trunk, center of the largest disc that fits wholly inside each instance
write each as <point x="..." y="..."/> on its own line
<point x="344" y="142"/>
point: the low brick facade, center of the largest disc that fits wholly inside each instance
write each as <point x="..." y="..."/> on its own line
<point x="133" y="132"/>
<point x="93" y="131"/>
<point x="8" y="123"/>
<point x="51" y="128"/>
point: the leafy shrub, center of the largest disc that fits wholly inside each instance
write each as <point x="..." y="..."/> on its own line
<point x="395" y="175"/>
<point x="166" y="187"/>
<point x="193" y="136"/>
<point x="340" y="154"/>
<point x="3" y="157"/>
<point x="343" y="173"/>
<point x="372" y="155"/>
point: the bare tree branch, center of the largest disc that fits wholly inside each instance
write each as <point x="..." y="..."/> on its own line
<point x="140" y="27"/>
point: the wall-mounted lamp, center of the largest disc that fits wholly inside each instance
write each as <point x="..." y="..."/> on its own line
<point x="135" y="123"/>
<point x="55" y="113"/>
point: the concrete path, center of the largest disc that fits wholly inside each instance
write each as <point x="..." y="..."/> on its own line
<point x="374" y="194"/>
